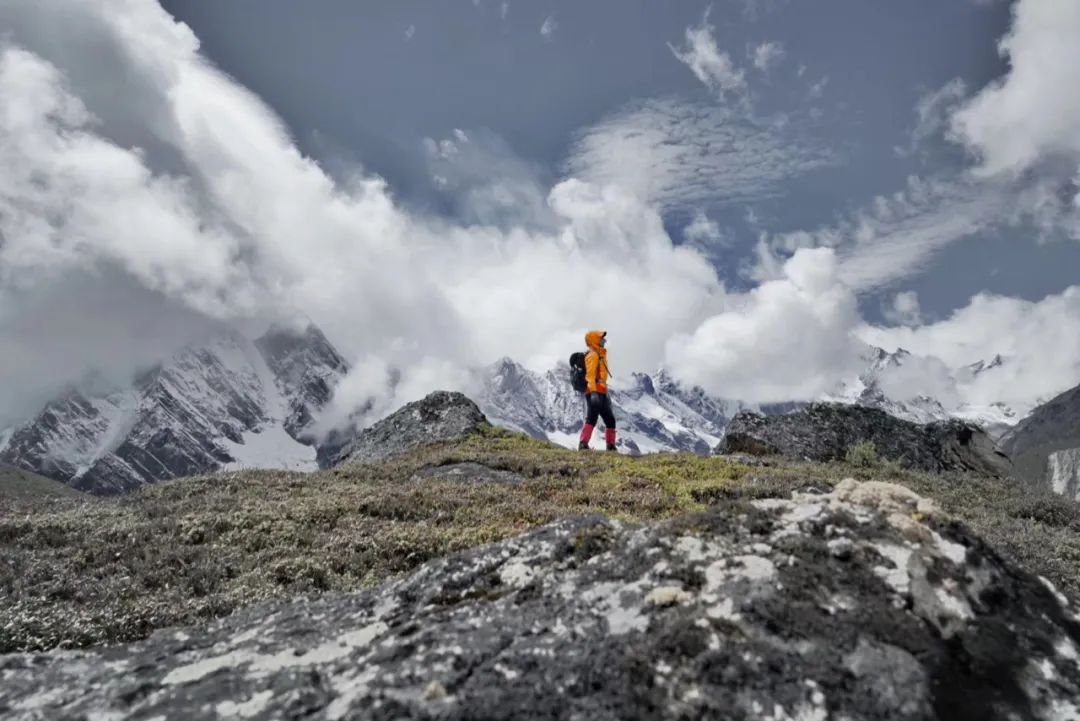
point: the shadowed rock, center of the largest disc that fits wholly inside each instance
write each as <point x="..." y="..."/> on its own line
<point x="441" y="417"/>
<point x="863" y="603"/>
<point x="824" y="432"/>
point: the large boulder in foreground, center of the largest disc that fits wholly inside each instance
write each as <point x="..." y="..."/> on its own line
<point x="441" y="417"/>
<point x="825" y="431"/>
<point x="860" y="604"/>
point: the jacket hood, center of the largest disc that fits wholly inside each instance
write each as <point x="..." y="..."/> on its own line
<point x="592" y="339"/>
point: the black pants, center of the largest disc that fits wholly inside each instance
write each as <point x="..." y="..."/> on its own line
<point x="599" y="406"/>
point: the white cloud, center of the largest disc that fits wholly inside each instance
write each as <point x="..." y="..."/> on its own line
<point x="141" y="183"/>
<point x="217" y="212"/>
<point x="818" y="88"/>
<point x="904" y="309"/>
<point x="1035" y="366"/>
<point x="1034" y="111"/>
<point x="504" y="10"/>
<point x="703" y="231"/>
<point x="711" y="66"/>
<point x="897" y="236"/>
<point x="549" y="27"/>
<point x="409" y="32"/>
<point x="800" y="327"/>
<point x="767" y="55"/>
<point x="934" y="111"/>
<point x="680" y="155"/>
<point x="488" y="183"/>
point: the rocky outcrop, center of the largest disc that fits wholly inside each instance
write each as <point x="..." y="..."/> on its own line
<point x="860" y="604"/>
<point x="825" y="431"/>
<point x="1053" y="426"/>
<point x="1063" y="473"/>
<point x="441" y="417"/>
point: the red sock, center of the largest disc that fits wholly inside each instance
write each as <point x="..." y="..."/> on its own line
<point x="586" y="433"/>
<point x="609" y="436"/>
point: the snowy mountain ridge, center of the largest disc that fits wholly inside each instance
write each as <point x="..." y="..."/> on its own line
<point x="657" y="413"/>
<point x="226" y="403"/>
<point x="231" y="403"/>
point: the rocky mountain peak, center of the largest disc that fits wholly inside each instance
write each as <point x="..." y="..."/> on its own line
<point x="219" y="402"/>
<point x="440" y="417"/>
<point x="826" y="431"/>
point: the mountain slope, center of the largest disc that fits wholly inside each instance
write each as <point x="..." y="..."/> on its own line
<point x="17" y="484"/>
<point x="1053" y="426"/>
<point x="225" y="403"/>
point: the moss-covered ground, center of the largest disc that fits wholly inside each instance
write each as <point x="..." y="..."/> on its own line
<point x="82" y="571"/>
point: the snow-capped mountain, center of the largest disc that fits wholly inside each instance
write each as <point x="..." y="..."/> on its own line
<point x="868" y="390"/>
<point x="654" y="412"/>
<point x="225" y="403"/>
<point x="231" y="403"/>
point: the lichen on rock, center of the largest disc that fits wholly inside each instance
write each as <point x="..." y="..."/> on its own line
<point x="863" y="603"/>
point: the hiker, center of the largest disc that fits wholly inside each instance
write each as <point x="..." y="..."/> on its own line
<point x="596" y="391"/>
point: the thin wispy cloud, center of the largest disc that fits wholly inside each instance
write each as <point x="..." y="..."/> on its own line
<point x="896" y="236"/>
<point x="767" y="55"/>
<point x="707" y="62"/>
<point x="409" y="32"/>
<point x="818" y="89"/>
<point x="547" y="30"/>
<point x="934" y="112"/>
<point x="680" y="154"/>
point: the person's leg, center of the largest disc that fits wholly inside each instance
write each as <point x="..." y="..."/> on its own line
<point x="608" y="415"/>
<point x="592" y="413"/>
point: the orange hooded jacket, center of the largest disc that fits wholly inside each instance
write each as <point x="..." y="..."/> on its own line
<point x="596" y="366"/>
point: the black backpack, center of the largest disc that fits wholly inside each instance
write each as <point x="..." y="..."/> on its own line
<point x="577" y="372"/>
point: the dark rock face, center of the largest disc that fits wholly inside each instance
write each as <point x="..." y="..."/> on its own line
<point x="836" y="606"/>
<point x="1053" y="426"/>
<point x="306" y="367"/>
<point x="441" y="417"/>
<point x="824" y="432"/>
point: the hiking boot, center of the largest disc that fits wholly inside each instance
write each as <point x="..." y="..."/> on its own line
<point x="611" y="447"/>
<point x="582" y="446"/>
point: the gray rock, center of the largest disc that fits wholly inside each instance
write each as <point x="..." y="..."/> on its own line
<point x="1063" y="473"/>
<point x="744" y="614"/>
<point x="468" y="472"/>
<point x="824" y="432"/>
<point x="441" y="417"/>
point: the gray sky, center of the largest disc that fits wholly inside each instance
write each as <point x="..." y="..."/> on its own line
<point x="742" y="191"/>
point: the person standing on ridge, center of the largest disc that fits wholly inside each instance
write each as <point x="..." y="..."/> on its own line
<point x="596" y="390"/>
